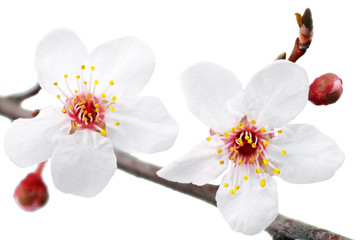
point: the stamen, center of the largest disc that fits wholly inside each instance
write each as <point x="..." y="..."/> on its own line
<point x="262" y="183"/>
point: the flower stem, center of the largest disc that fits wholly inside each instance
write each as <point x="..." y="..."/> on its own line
<point x="40" y="168"/>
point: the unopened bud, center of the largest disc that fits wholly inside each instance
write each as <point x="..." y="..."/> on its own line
<point x="325" y="89"/>
<point x="306" y="27"/>
<point x="31" y="194"/>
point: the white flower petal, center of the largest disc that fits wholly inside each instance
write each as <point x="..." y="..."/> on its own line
<point x="145" y="125"/>
<point x="60" y="52"/>
<point x="83" y="163"/>
<point x="127" y="61"/>
<point x="276" y="95"/>
<point x="31" y="141"/>
<point x="310" y="155"/>
<point x="252" y="208"/>
<point x="199" y="166"/>
<point x="207" y="88"/>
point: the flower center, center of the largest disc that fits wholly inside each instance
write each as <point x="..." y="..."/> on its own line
<point x="85" y="109"/>
<point x="245" y="146"/>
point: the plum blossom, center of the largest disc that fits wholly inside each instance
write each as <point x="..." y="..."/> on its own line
<point x="251" y="140"/>
<point x="100" y="111"/>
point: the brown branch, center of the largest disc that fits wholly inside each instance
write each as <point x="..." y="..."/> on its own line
<point x="19" y="97"/>
<point x="281" y="229"/>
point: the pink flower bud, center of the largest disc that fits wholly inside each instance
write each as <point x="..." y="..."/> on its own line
<point x="31" y="194"/>
<point x="325" y="89"/>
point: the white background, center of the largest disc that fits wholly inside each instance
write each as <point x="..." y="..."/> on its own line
<point x="243" y="36"/>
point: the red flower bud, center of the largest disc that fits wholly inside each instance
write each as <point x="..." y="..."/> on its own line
<point x="31" y="194"/>
<point x="325" y="89"/>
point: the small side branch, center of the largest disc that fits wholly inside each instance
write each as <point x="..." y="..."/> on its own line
<point x="20" y="97"/>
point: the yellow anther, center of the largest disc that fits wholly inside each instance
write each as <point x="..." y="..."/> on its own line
<point x="83" y="100"/>
<point x="98" y="119"/>
<point x="55" y="83"/>
<point x="226" y="134"/>
<point x="232" y="191"/>
<point x="262" y="183"/>
<point x="236" y="151"/>
<point x="96" y="82"/>
<point x="75" y="124"/>
<point x="231" y="149"/>
<point x="247" y="137"/>
<point x="112" y="109"/>
<point x="66" y="75"/>
<point x="280" y="132"/>
<point x="226" y="185"/>
<point x="265" y="161"/>
<point x="89" y="95"/>
<point x="232" y="158"/>
<point x="253" y="145"/>
<point x="114" y="98"/>
<point x="208" y="138"/>
<point x="117" y="123"/>
<point x="233" y="130"/>
<point x="85" y="82"/>
<point x="97" y="110"/>
<point x="76" y="91"/>
<point x="96" y="105"/>
<point x="259" y="151"/>
<point x="239" y="126"/>
<point x="240" y="162"/>
<point x="266" y="143"/>
<point x="58" y="96"/>
<point x="111" y="82"/>
<point x="64" y="111"/>
<point x="253" y="122"/>
<point x="249" y="141"/>
<point x="257" y="170"/>
<point x="283" y="152"/>
<point x="251" y="160"/>
<point x="92" y="68"/>
<point x="219" y="150"/>
<point x="263" y="130"/>
<point x="222" y="162"/>
<point x="89" y="114"/>
<point x="277" y="171"/>
<point x="77" y="76"/>
<point x="71" y="107"/>
<point x="103" y="132"/>
<point x="82" y="67"/>
<point x="245" y="178"/>
<point x="83" y="106"/>
<point x="103" y="95"/>
<point x="85" y="119"/>
<point x="239" y="140"/>
<point x="237" y="187"/>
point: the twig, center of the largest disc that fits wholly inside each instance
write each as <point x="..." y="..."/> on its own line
<point x="281" y="229"/>
<point x="18" y="98"/>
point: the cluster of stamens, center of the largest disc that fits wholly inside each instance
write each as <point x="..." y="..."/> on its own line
<point x="86" y="109"/>
<point x="245" y="146"/>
